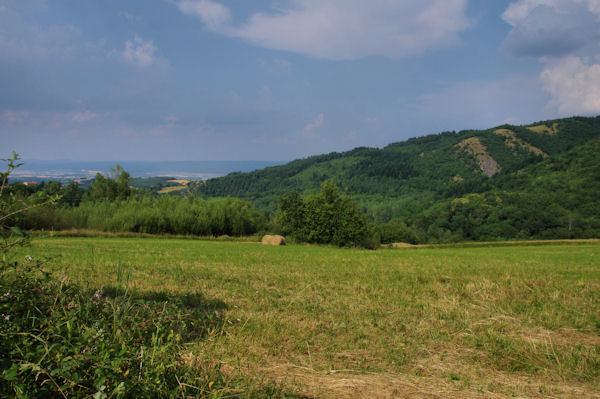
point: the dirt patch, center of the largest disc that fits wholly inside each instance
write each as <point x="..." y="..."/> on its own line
<point x="511" y="140"/>
<point x="543" y="129"/>
<point x="487" y="164"/>
<point x="171" y="189"/>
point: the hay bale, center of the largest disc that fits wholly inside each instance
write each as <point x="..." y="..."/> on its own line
<point x="402" y="245"/>
<point x="273" y="240"/>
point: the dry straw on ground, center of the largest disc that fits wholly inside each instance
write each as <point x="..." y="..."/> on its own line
<point x="273" y="240"/>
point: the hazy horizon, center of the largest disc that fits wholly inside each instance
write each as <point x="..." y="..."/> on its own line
<point x="69" y="170"/>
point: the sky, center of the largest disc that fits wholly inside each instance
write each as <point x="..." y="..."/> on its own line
<point x="277" y="80"/>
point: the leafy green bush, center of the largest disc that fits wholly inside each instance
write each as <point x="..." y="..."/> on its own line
<point x="57" y="340"/>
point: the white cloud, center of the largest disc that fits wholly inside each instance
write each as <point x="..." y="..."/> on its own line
<point x="552" y="27"/>
<point x="574" y="84"/>
<point x="519" y="10"/>
<point x="139" y="52"/>
<point x="343" y="29"/>
<point x="212" y="14"/>
<point x="130" y="17"/>
<point x="564" y="34"/>
<point x="314" y="125"/>
<point x="311" y="127"/>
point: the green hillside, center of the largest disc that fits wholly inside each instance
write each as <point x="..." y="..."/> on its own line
<point x="540" y="180"/>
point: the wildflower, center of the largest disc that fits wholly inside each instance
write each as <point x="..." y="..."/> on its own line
<point x="7" y="317"/>
<point x="7" y="295"/>
<point x="28" y="258"/>
<point x="98" y="294"/>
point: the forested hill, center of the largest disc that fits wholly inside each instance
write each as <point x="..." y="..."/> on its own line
<point x="545" y="164"/>
<point x="448" y="164"/>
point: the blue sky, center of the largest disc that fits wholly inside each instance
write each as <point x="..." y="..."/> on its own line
<point x="282" y="79"/>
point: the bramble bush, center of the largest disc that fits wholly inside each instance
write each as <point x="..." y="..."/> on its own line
<point x="58" y="340"/>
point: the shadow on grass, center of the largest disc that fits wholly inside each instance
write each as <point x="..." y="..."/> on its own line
<point x="188" y="301"/>
<point x="192" y="316"/>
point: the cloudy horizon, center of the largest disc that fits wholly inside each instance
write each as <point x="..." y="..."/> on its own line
<point x="278" y="80"/>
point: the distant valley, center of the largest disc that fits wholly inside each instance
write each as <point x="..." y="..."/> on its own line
<point x="66" y="171"/>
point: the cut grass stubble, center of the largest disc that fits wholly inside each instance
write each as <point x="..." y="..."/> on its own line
<point x="504" y="321"/>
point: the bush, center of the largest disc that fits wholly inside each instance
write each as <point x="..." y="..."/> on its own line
<point x="56" y="340"/>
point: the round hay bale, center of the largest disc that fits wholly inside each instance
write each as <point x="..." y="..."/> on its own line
<point x="402" y="245"/>
<point x="273" y="240"/>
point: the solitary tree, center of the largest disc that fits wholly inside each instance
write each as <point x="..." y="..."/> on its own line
<point x="325" y="218"/>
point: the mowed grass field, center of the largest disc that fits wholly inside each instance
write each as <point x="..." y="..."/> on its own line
<point x="493" y="322"/>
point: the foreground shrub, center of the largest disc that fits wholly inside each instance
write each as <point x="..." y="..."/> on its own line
<point x="57" y="340"/>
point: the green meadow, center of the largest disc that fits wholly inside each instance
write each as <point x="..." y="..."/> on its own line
<point x="505" y="321"/>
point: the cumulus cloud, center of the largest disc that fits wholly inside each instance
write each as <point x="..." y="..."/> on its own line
<point x="551" y="27"/>
<point x="564" y="34"/>
<point x="574" y="84"/>
<point x="314" y="125"/>
<point x="343" y="29"/>
<point x="139" y="52"/>
<point x="212" y="14"/>
<point x="311" y="127"/>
